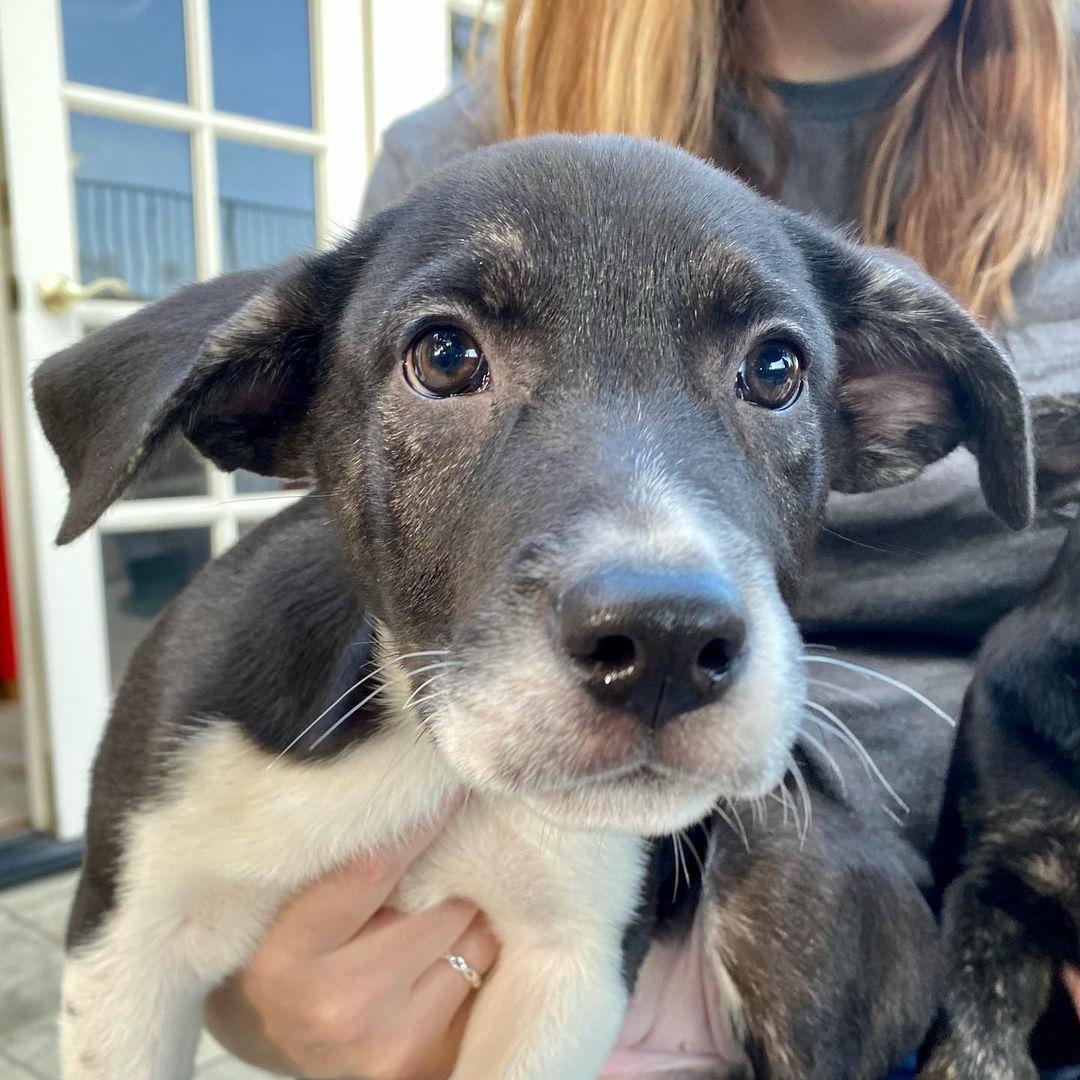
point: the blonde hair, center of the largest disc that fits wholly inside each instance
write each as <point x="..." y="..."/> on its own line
<point x="972" y="162"/>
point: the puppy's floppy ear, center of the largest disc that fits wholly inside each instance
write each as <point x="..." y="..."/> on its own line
<point x="918" y="377"/>
<point x="231" y="364"/>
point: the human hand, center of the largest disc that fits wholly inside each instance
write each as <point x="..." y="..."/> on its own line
<point x="342" y="986"/>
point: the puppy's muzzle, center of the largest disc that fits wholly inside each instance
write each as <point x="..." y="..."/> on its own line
<point x="654" y="642"/>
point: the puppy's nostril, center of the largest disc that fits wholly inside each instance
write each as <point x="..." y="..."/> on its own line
<point x="612" y="655"/>
<point x="715" y="659"/>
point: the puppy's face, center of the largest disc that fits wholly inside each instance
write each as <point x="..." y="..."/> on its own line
<point x="577" y="405"/>
<point x="593" y="458"/>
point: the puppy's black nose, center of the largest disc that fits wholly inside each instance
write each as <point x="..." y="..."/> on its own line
<point x="654" y="642"/>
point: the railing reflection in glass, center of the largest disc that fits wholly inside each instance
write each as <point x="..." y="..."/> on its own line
<point x="145" y="235"/>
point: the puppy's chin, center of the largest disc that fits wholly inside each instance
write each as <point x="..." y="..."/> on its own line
<point x="646" y="801"/>
<point x="609" y="779"/>
<point x="642" y="808"/>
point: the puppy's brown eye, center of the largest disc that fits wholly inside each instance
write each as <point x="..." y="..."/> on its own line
<point x="771" y="376"/>
<point x="445" y="361"/>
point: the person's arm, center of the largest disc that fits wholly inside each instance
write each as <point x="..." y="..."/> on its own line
<point x="342" y="986"/>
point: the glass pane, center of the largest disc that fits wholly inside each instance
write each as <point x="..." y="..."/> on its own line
<point x="267" y="204"/>
<point x="262" y="59"/>
<point x="248" y="483"/>
<point x="175" y="470"/>
<point x="143" y="572"/>
<point x="124" y="45"/>
<point x="133" y="204"/>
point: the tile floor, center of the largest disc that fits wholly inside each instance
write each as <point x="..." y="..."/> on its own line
<point x="32" y="919"/>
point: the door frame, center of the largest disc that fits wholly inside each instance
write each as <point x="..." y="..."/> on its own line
<point x="19" y="533"/>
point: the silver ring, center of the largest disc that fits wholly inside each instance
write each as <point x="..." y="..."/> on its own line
<point x="463" y="968"/>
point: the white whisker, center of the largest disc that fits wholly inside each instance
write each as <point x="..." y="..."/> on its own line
<point x="740" y="831"/>
<point x="804" y="794"/>
<point x="780" y="795"/>
<point x="873" y="547"/>
<point x="872" y="674"/>
<point x="341" y="719"/>
<point x="441" y="664"/>
<point x="839" y="728"/>
<point x="427" y="682"/>
<point x="840" y="688"/>
<point x="794" y="807"/>
<point x="694" y="851"/>
<point x="738" y="818"/>
<point x="682" y="858"/>
<point x="675" y="850"/>
<point x="430" y="697"/>
<point x="430" y="667"/>
<point x="358" y="683"/>
<point x="820" y="746"/>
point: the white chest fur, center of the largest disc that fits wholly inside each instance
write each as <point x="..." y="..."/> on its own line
<point x="205" y="868"/>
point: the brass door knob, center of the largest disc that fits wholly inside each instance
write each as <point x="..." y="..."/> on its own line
<point x="58" y="292"/>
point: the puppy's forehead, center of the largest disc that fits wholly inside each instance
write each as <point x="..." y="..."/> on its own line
<point x="604" y="214"/>
<point x="617" y="264"/>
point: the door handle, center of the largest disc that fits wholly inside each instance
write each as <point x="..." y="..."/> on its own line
<point x="57" y="292"/>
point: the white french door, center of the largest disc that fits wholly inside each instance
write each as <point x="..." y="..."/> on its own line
<point x="149" y="143"/>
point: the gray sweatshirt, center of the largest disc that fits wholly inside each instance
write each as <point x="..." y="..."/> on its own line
<point x="907" y="579"/>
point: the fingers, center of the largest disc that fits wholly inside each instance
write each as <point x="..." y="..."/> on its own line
<point x="440" y="991"/>
<point x="333" y="987"/>
<point x="414" y="940"/>
<point x="332" y="911"/>
<point x="373" y="1010"/>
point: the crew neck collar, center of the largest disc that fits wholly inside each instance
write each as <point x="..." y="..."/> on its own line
<point x="841" y="98"/>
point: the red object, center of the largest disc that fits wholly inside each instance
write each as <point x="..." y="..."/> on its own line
<point x="7" y="623"/>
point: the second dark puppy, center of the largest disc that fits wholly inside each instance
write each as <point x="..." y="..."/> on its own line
<point x="1009" y="845"/>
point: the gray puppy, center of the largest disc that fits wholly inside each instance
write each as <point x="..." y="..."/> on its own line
<point x="572" y="411"/>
